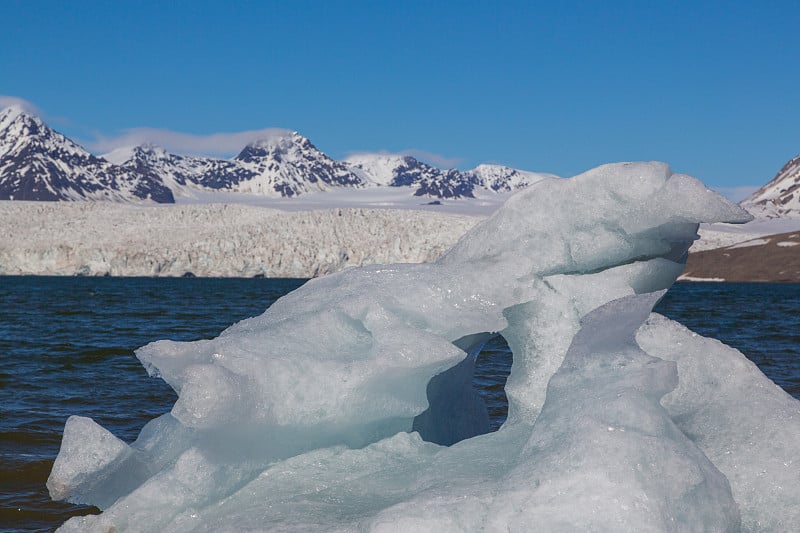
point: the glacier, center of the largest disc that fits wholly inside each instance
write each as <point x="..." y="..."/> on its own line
<point x="348" y="405"/>
<point x="216" y="240"/>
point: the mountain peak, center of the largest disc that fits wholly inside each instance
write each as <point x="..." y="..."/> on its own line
<point x="288" y="164"/>
<point x="123" y="154"/>
<point x="38" y="163"/>
<point x="150" y="151"/>
<point x="22" y="130"/>
<point x="490" y="167"/>
<point x="277" y="137"/>
<point x="779" y="197"/>
<point x="9" y="113"/>
<point x="15" y="120"/>
<point x="275" y="144"/>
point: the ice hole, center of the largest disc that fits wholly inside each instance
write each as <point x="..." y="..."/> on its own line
<point x="468" y="399"/>
<point x="492" y="368"/>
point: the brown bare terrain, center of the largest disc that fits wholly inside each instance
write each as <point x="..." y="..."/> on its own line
<point x="772" y="258"/>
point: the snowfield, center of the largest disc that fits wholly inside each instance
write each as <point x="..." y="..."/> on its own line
<point x="215" y="240"/>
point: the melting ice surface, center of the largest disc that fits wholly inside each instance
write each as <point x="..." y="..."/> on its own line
<point x="348" y="405"/>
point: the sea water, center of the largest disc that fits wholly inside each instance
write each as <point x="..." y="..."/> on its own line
<point x="66" y="347"/>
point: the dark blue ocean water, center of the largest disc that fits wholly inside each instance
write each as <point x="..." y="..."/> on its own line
<point x="66" y="347"/>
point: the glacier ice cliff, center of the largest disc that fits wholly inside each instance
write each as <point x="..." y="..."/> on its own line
<point x="215" y="240"/>
<point x="348" y="405"/>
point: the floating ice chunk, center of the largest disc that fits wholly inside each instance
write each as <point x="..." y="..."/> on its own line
<point x="85" y="467"/>
<point x="348" y="405"/>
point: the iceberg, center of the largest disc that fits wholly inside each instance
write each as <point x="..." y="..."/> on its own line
<point x="348" y="405"/>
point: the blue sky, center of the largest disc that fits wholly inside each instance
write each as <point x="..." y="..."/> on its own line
<point x="712" y="88"/>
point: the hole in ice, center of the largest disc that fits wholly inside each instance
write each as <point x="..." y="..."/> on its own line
<point x="491" y="372"/>
<point x="468" y="399"/>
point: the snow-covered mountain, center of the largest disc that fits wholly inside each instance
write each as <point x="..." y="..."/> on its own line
<point x="175" y="171"/>
<point x="499" y="178"/>
<point x="781" y="196"/>
<point x="184" y="173"/>
<point x="38" y="163"/>
<point x="394" y="170"/>
<point x="289" y="165"/>
<point x="281" y="165"/>
<point x="405" y="171"/>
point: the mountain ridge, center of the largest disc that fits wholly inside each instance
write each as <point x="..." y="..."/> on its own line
<point x="39" y="163"/>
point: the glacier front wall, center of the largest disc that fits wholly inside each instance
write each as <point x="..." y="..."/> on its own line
<point x="348" y="405"/>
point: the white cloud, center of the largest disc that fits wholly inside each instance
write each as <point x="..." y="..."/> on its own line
<point x="8" y="101"/>
<point x="737" y="194"/>
<point x="213" y="144"/>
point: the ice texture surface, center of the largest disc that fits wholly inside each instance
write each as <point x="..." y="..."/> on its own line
<point x="348" y="405"/>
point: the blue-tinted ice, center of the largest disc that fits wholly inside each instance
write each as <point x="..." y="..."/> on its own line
<point x="335" y="408"/>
